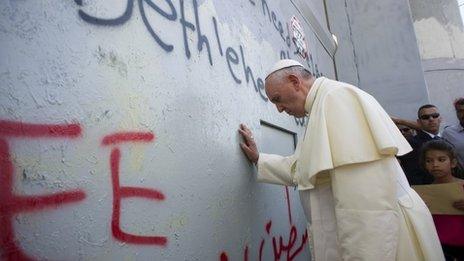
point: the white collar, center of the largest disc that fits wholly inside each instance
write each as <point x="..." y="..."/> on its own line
<point x="432" y="135"/>
<point x="311" y="97"/>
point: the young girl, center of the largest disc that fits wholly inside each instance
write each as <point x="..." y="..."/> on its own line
<point x="438" y="157"/>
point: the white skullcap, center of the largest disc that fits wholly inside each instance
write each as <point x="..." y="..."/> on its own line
<point x="285" y="63"/>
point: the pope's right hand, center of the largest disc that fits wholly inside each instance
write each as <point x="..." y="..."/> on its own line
<point x="249" y="145"/>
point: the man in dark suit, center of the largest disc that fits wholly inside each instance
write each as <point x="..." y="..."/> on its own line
<point x="429" y="121"/>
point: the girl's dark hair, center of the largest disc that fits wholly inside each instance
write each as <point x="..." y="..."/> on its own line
<point x="445" y="146"/>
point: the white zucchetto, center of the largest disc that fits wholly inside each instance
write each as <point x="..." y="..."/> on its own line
<point x="285" y="63"/>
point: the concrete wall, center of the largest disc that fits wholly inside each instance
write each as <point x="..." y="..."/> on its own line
<point x="445" y="81"/>
<point x="340" y="26"/>
<point x="439" y="29"/>
<point x="378" y="52"/>
<point x="118" y="130"/>
<point x="440" y="37"/>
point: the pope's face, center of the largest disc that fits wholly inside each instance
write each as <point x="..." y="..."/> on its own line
<point x="287" y="96"/>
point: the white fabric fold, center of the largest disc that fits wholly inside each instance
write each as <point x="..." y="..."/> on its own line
<point x="361" y="206"/>
<point x="360" y="131"/>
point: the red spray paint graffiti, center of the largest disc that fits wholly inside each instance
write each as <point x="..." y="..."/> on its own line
<point x="279" y="246"/>
<point x="20" y="129"/>
<point x="11" y="204"/>
<point x="120" y="192"/>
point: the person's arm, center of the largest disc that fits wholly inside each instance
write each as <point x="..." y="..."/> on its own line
<point x="275" y="169"/>
<point x="408" y="123"/>
<point x="459" y="204"/>
<point x="272" y="168"/>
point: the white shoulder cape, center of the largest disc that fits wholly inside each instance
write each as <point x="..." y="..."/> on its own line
<point x="346" y="126"/>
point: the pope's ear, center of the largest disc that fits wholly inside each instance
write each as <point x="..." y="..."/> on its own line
<point x="294" y="80"/>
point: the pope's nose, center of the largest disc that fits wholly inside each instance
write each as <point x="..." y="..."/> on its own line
<point x="280" y="108"/>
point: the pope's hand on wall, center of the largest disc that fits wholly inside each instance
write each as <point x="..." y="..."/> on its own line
<point x="248" y="145"/>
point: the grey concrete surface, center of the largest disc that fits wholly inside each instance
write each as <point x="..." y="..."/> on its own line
<point x="445" y="80"/>
<point x="164" y="84"/>
<point x="440" y="37"/>
<point x="378" y="50"/>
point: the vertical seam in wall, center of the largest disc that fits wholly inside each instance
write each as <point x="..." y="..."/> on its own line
<point x="355" y="59"/>
<point x="450" y="35"/>
<point x="336" y="46"/>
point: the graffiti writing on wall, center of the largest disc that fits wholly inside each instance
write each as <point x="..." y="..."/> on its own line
<point x="234" y="58"/>
<point x="12" y="204"/>
<point x="120" y="192"/>
<point x="279" y="245"/>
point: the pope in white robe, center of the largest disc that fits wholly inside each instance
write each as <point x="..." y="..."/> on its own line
<point x="356" y="198"/>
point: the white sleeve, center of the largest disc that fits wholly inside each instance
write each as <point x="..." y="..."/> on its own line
<point x="275" y="169"/>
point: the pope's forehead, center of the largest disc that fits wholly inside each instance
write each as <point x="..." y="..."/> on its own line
<point x="271" y="84"/>
<point x="275" y="78"/>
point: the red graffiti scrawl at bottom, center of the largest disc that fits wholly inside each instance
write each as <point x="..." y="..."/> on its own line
<point x="11" y="204"/>
<point x="279" y="245"/>
<point x="120" y="192"/>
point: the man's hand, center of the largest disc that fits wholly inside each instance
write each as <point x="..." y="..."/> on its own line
<point x="249" y="144"/>
<point x="407" y="123"/>
<point x="459" y="204"/>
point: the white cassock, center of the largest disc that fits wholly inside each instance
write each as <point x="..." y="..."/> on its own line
<point x="355" y="195"/>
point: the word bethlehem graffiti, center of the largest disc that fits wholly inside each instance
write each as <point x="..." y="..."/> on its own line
<point x="233" y="58"/>
<point x="280" y="246"/>
<point x="12" y="204"/>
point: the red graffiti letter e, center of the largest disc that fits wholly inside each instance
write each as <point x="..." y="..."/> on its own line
<point x="120" y="192"/>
